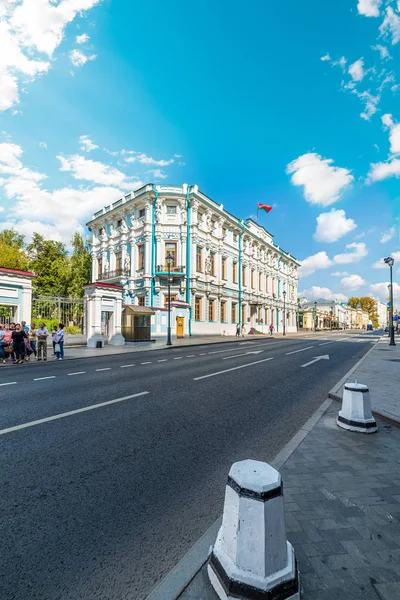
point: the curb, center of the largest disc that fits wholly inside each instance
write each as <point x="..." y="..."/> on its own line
<point x="180" y="577"/>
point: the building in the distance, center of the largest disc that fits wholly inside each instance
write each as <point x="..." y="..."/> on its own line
<point x="224" y="270"/>
<point x="383" y="314"/>
<point x="15" y="295"/>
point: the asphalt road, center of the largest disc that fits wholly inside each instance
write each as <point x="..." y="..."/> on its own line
<point x="102" y="503"/>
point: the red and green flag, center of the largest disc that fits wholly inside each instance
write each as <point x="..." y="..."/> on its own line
<point x="265" y="207"/>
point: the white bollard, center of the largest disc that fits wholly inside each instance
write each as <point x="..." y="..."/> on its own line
<point x="356" y="414"/>
<point x="251" y="558"/>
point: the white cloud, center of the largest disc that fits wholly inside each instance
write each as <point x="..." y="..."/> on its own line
<point x="391" y="26"/>
<point x="383" y="170"/>
<point x="86" y="143"/>
<point x="388" y="235"/>
<point x="387" y="120"/>
<point x="356" y="70"/>
<point x="158" y="174"/>
<point x="82" y="39"/>
<point x="323" y="183"/>
<point x="143" y="159"/>
<point x="97" y="172"/>
<point x="333" y="225"/>
<point x="79" y="59"/>
<point x="352" y="282"/>
<point x="29" y="29"/>
<point x="43" y="145"/>
<point x="317" y="293"/>
<point x="357" y="252"/>
<point x="370" y="103"/>
<point x="381" y="291"/>
<point x="380" y="264"/>
<point x="369" y="8"/>
<point x="339" y="274"/>
<point x="325" y="58"/>
<point x="383" y="51"/>
<point x="342" y="62"/>
<point x="311" y="264"/>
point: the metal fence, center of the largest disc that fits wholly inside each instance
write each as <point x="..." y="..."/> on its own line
<point x="69" y="311"/>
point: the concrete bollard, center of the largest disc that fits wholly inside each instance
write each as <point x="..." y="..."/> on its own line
<point x="251" y="558"/>
<point x="356" y="414"/>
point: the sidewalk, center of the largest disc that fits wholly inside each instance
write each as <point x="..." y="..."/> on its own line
<point x="380" y="371"/>
<point x="342" y="501"/>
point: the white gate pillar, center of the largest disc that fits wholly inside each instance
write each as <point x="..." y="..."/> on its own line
<point x="105" y="297"/>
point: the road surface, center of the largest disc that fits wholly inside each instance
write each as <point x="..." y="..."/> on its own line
<point x="113" y="467"/>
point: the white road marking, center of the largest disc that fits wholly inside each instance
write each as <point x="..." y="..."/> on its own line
<point x="9" y="383"/>
<point x="126" y="366"/>
<point x="233" y="369"/>
<point x="202" y="353"/>
<point x="77" y="373"/>
<point x="42" y="378"/>
<point x="178" y="357"/>
<point x="190" y="355"/>
<point x="70" y="413"/>
<point x="325" y="343"/>
<point x="163" y="360"/>
<point x="148" y="362"/>
<point x="106" y="369"/>
<point x="301" y="350"/>
<point x="316" y="359"/>
<point x="245" y="354"/>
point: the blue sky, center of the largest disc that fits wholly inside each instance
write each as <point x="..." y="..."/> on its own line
<point x="291" y="104"/>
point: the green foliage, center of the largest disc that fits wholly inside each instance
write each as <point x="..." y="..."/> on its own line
<point x="12" y="238"/>
<point x="353" y="302"/>
<point x="12" y="253"/>
<point x="49" y="323"/>
<point x="368" y="305"/>
<point x="5" y="311"/>
<point x="80" y="265"/>
<point x="73" y="330"/>
<point x="49" y="261"/>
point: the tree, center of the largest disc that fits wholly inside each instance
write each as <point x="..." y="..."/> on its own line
<point x="12" y="254"/>
<point x="353" y="302"/>
<point x="368" y="305"/>
<point x="49" y="261"/>
<point x="80" y="265"/>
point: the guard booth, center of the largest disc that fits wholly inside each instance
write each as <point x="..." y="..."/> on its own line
<point x="136" y="323"/>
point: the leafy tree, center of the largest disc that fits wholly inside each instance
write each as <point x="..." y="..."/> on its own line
<point x="12" y="258"/>
<point x="80" y="265"/>
<point x="12" y="238"/>
<point x="367" y="304"/>
<point x="353" y="302"/>
<point x="49" y="261"/>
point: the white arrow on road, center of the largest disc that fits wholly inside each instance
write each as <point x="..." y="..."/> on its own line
<point x="316" y="359"/>
<point x="245" y="354"/>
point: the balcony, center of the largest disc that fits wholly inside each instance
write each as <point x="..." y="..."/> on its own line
<point x="163" y="269"/>
<point x="113" y="274"/>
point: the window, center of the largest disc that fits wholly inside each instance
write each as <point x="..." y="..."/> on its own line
<point x="118" y="261"/>
<point x="252" y="279"/>
<point x="224" y="232"/>
<point x="234" y="312"/>
<point x="101" y="230"/>
<point x="223" y="269"/>
<point x="244" y="276"/>
<point x="141" y="301"/>
<point x="142" y="213"/>
<point x="171" y="210"/>
<point x="141" y="256"/>
<point x="235" y="237"/>
<point x="119" y="223"/>
<point x="173" y="298"/>
<point x="170" y="248"/>
<point x="259" y="282"/>
<point x="235" y="272"/>
<point x="99" y="267"/>
<point x="197" y="308"/>
<point x="211" y="306"/>
<point x="212" y="263"/>
<point x="223" y="312"/>
<point x="199" y="259"/>
<point x="244" y="313"/>
<point x="267" y="284"/>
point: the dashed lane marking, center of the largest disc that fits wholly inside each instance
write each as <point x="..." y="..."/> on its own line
<point x="190" y="356"/>
<point x="148" y="362"/>
<point x="325" y="343"/>
<point x="70" y="413"/>
<point x="9" y="383"/>
<point x="301" y="350"/>
<point x="233" y="369"/>
<point x="43" y="378"/>
<point x="126" y="366"/>
<point x="178" y="357"/>
<point x="77" y="373"/>
<point x="163" y="360"/>
<point x="105" y="369"/>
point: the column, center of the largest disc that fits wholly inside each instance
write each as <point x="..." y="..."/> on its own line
<point x="94" y="266"/>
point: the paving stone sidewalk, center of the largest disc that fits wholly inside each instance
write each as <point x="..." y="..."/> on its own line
<point x="342" y="500"/>
<point x="380" y="371"/>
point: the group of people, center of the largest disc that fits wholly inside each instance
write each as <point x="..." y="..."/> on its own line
<point x="18" y="342"/>
<point x="241" y="331"/>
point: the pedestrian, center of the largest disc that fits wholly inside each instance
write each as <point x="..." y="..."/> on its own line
<point x="271" y="329"/>
<point x="53" y="337"/>
<point x="238" y="330"/>
<point x="59" y="347"/>
<point x="33" y="338"/>
<point x="42" y="335"/>
<point x="243" y="330"/>
<point x="25" y="327"/>
<point x="18" y="338"/>
<point x="2" y="345"/>
<point x="8" y="340"/>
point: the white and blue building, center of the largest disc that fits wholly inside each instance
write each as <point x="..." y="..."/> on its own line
<point x="15" y="295"/>
<point x="224" y="270"/>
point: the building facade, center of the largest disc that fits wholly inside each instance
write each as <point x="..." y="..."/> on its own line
<point x="15" y="295"/>
<point x="383" y="314"/>
<point x="224" y="271"/>
<point x="322" y="314"/>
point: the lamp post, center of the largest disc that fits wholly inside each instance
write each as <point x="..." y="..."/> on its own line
<point x="284" y="312"/>
<point x="315" y="317"/>
<point x="390" y="261"/>
<point x="331" y="317"/>
<point x="170" y="260"/>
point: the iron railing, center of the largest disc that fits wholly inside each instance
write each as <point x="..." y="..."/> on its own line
<point x="174" y="269"/>
<point x="69" y="311"/>
<point x="113" y="274"/>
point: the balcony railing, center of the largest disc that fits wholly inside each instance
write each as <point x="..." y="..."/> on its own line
<point x="113" y="274"/>
<point x="174" y="269"/>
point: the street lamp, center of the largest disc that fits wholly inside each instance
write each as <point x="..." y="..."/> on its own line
<point x="170" y="260"/>
<point x="390" y="261"/>
<point x="331" y="317"/>
<point x="284" y="312"/>
<point x="315" y="317"/>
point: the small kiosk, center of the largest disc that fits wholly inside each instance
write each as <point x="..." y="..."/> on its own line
<point x="136" y="323"/>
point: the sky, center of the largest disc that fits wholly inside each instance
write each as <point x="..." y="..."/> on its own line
<point x="291" y="104"/>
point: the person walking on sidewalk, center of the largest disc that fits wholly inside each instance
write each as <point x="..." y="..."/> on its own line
<point x="33" y="338"/>
<point x="271" y="329"/>
<point x="18" y="338"/>
<point x="42" y="335"/>
<point x="238" y="330"/>
<point x="59" y="347"/>
<point x="2" y="345"/>
<point x="243" y="330"/>
<point x="53" y="337"/>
